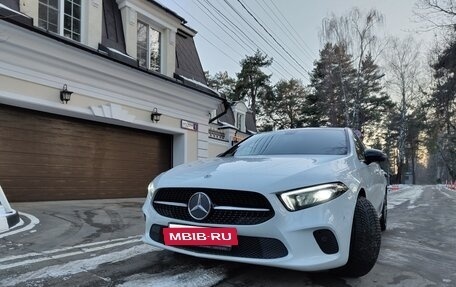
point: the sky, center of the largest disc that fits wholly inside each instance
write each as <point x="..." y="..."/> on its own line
<point x="294" y="24"/>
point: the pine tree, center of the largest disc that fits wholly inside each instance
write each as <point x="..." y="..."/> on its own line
<point x="224" y="84"/>
<point x="289" y="97"/>
<point x="252" y="83"/>
<point x="372" y="103"/>
<point x="332" y="86"/>
<point x="443" y="104"/>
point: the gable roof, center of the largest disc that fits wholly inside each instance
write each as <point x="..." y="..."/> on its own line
<point x="228" y="118"/>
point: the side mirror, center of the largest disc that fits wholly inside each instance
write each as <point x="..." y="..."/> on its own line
<point x="374" y="155"/>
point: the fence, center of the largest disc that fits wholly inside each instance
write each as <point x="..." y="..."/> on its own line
<point x="451" y="185"/>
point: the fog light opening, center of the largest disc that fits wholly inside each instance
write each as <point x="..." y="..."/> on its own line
<point x="326" y="241"/>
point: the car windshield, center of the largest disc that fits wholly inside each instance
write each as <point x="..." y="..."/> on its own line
<point x="306" y="141"/>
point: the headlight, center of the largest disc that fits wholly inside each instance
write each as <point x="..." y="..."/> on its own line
<point x="311" y="196"/>
<point x="151" y="189"/>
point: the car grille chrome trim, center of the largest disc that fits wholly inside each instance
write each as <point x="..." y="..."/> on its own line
<point x="171" y="203"/>
<point x="240" y="208"/>
<point x="232" y="207"/>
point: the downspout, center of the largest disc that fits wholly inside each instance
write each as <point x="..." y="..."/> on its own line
<point x="226" y="105"/>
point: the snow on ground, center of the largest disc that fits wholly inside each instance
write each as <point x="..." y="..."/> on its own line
<point x="406" y="193"/>
<point x="3" y="222"/>
<point x="33" y="222"/>
<point x="35" y="257"/>
<point x="447" y="191"/>
<point x="199" y="277"/>
<point x="77" y="266"/>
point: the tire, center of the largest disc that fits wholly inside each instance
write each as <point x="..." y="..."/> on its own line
<point x="384" y="216"/>
<point x="365" y="241"/>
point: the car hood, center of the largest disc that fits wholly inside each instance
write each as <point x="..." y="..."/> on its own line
<point x="263" y="174"/>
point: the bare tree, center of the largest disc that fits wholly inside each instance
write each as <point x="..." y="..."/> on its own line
<point x="355" y="32"/>
<point x="436" y="13"/>
<point x="402" y="60"/>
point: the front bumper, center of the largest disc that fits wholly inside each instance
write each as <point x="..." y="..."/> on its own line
<point x="295" y="230"/>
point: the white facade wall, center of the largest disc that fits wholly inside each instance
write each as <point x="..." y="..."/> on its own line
<point x="34" y="68"/>
<point x="216" y="147"/>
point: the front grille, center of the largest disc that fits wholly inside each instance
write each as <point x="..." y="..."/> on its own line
<point x="219" y="197"/>
<point x="248" y="247"/>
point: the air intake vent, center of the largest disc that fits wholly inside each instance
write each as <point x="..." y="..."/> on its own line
<point x="326" y="240"/>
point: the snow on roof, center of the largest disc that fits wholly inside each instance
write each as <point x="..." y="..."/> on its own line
<point x="227" y="125"/>
<point x="12" y="10"/>
<point x="200" y="84"/>
<point x="119" y="52"/>
<point x="252" y="132"/>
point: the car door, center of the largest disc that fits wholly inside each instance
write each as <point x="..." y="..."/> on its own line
<point x="371" y="176"/>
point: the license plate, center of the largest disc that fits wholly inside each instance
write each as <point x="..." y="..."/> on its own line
<point x="210" y="237"/>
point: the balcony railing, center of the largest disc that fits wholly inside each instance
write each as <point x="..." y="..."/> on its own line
<point x="215" y="134"/>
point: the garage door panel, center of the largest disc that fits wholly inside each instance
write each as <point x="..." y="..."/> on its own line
<point x="70" y="183"/>
<point x="85" y="159"/>
<point x="68" y="194"/>
<point x="48" y="157"/>
<point x="72" y="138"/>
<point x="56" y="143"/>
<point x="52" y="172"/>
<point x="71" y="130"/>
<point x="83" y="152"/>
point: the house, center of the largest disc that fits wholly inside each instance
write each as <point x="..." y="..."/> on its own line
<point x="230" y="125"/>
<point x="97" y="98"/>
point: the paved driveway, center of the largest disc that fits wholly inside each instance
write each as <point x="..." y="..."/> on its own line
<point x="97" y="243"/>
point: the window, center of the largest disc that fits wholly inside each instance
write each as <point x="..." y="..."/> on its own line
<point x="65" y="21"/>
<point x="148" y="47"/>
<point x="308" y="141"/>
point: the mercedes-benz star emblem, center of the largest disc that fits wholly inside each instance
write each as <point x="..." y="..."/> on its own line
<point x="199" y="205"/>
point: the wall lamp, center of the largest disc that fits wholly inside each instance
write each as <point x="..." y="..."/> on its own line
<point x="155" y="116"/>
<point x="65" y="95"/>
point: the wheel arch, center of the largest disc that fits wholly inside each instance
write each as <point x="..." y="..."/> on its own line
<point x="362" y="193"/>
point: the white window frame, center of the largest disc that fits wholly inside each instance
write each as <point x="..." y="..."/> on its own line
<point x="239" y="121"/>
<point x="240" y="112"/>
<point x="159" y="28"/>
<point x="149" y="26"/>
<point x="60" y="24"/>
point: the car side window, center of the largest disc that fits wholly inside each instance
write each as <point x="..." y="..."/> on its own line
<point x="359" y="148"/>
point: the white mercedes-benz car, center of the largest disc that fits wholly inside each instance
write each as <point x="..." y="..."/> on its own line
<point x="306" y="199"/>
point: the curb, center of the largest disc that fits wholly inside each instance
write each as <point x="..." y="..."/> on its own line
<point x="8" y="216"/>
<point x="9" y="220"/>
<point x="13" y="218"/>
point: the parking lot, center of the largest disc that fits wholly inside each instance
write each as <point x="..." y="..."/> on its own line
<point x="98" y="243"/>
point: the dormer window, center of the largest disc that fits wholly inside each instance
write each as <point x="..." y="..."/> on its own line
<point x="149" y="47"/>
<point x="240" y="111"/>
<point x="61" y="16"/>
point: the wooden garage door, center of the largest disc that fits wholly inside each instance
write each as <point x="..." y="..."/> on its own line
<point x="49" y="157"/>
